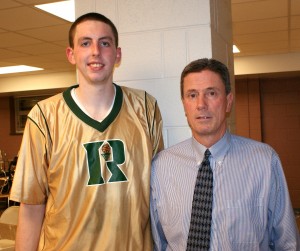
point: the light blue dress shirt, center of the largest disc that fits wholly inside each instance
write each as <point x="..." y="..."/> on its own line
<point x="251" y="206"/>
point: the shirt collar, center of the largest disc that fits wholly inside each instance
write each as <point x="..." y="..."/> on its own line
<point x="218" y="150"/>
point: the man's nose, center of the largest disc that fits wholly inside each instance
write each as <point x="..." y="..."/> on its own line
<point x="201" y="102"/>
<point x="96" y="49"/>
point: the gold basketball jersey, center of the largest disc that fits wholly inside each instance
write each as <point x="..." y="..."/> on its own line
<point x="93" y="176"/>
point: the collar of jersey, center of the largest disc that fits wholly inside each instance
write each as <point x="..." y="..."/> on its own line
<point x="100" y="126"/>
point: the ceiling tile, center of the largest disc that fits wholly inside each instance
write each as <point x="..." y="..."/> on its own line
<point x="295" y="22"/>
<point x="61" y="64"/>
<point x="295" y="34"/>
<point x="62" y="43"/>
<point x="4" y="64"/>
<point x="261" y="37"/>
<point x="259" y="10"/>
<point x="4" y="53"/>
<point x="295" y="7"/>
<point x="35" y="2"/>
<point x="28" y="18"/>
<point x="258" y="26"/>
<point x="52" y="33"/>
<point x="40" y="49"/>
<point x="57" y="56"/>
<point x="9" y="39"/>
<point x="30" y="60"/>
<point x="263" y="48"/>
<point x="8" y="4"/>
<point x="295" y="45"/>
<point x="243" y="1"/>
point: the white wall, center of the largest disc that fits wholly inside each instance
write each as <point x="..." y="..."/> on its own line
<point x="158" y="39"/>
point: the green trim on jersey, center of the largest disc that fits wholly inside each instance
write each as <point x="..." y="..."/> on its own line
<point x="100" y="126"/>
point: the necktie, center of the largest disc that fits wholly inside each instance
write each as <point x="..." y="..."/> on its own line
<point x="200" y="225"/>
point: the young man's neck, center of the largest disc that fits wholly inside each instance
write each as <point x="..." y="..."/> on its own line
<point x="97" y="100"/>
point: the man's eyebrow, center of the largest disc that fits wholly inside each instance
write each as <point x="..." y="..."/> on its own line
<point x="101" y="38"/>
<point x="84" y="38"/>
<point x="106" y="37"/>
<point x="191" y="90"/>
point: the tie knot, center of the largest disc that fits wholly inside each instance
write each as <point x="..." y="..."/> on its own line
<point x="205" y="160"/>
<point x="206" y="154"/>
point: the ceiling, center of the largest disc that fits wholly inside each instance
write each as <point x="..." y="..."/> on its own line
<point x="266" y="26"/>
<point x="33" y="37"/>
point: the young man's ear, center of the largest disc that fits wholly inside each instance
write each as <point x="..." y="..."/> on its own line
<point x="70" y="55"/>
<point x="118" y="57"/>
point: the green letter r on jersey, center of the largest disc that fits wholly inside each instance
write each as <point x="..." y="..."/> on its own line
<point x="113" y="153"/>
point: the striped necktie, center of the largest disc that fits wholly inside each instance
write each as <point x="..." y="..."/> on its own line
<point x="200" y="225"/>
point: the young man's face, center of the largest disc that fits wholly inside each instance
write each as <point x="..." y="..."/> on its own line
<point x="206" y="104"/>
<point x="94" y="53"/>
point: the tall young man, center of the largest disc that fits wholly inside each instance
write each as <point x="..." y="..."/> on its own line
<point x="83" y="173"/>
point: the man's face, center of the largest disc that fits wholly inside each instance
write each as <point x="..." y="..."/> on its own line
<point x="94" y="53"/>
<point x="206" y="104"/>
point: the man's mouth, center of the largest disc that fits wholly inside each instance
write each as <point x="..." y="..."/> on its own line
<point x="96" y="65"/>
<point x="203" y="117"/>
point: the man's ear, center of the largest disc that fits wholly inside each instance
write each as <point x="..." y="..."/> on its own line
<point x="229" y="101"/>
<point x="118" y="56"/>
<point x="70" y="55"/>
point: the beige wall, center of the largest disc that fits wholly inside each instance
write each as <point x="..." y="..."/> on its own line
<point x="158" y="38"/>
<point x="12" y="84"/>
<point x="267" y="64"/>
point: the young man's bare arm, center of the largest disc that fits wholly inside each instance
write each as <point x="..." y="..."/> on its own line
<point x="29" y="227"/>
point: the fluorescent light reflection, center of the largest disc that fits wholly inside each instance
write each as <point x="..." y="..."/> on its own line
<point x="18" y="69"/>
<point x="235" y="49"/>
<point x="63" y="9"/>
